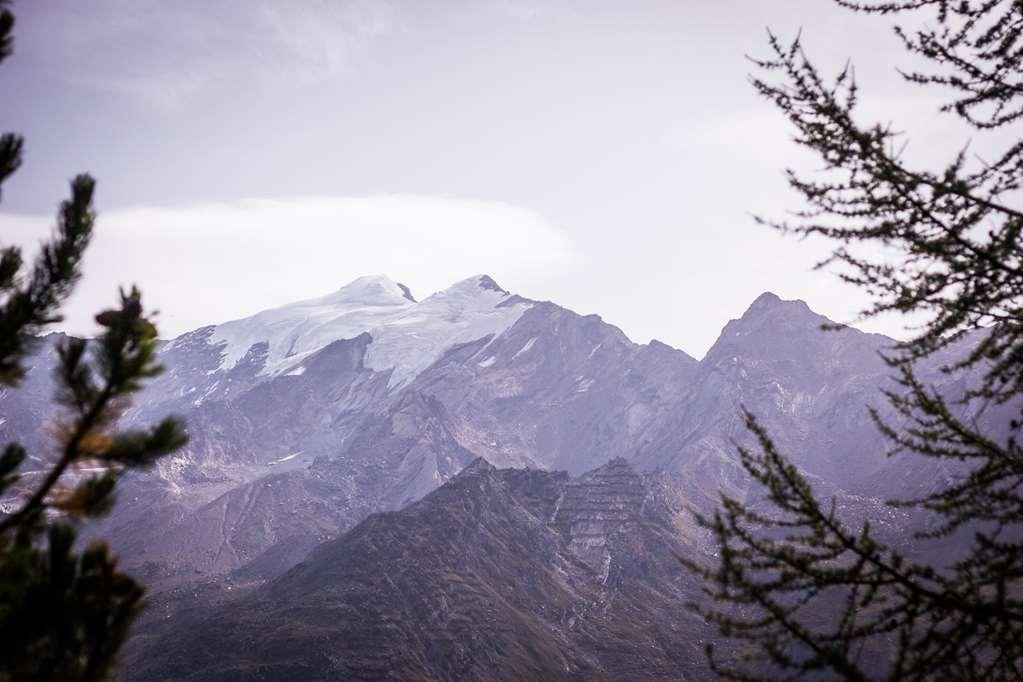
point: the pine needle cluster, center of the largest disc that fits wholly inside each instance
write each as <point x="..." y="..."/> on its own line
<point x="65" y="610"/>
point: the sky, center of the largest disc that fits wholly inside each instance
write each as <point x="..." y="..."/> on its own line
<point x="607" y="156"/>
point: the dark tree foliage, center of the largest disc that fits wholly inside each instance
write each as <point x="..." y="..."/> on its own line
<point x="64" y="613"/>
<point x="802" y="592"/>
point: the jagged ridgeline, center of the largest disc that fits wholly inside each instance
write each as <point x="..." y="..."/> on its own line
<point x="372" y="482"/>
<point x="499" y="574"/>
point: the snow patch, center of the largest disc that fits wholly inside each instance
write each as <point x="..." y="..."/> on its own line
<point x="487" y="363"/>
<point x="584" y="385"/>
<point x="209" y="391"/>
<point x="296" y="372"/>
<point x="525" y="348"/>
<point x="605" y="572"/>
<point x="286" y="458"/>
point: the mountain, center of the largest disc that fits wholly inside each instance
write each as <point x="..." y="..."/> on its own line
<point x="311" y="418"/>
<point x="498" y="575"/>
<point x="374" y="421"/>
<point x="408" y="336"/>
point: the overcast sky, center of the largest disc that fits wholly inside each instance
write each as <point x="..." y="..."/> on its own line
<point x="603" y="155"/>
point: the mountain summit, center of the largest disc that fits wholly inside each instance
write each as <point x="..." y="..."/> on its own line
<point x="308" y="418"/>
<point x="407" y="335"/>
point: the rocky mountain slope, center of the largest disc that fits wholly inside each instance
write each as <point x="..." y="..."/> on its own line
<point x="498" y="575"/>
<point x="307" y="419"/>
<point x="550" y="389"/>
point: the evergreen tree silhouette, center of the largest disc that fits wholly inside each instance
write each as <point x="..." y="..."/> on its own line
<point x="65" y="612"/>
<point x="803" y="593"/>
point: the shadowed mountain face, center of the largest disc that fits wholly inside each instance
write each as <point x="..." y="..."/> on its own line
<point x="287" y="453"/>
<point x="498" y="575"/>
<point x="307" y="419"/>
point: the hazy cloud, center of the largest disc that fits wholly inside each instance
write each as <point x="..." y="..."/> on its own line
<point x="209" y="263"/>
<point x="630" y="126"/>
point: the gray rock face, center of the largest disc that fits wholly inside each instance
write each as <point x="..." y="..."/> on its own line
<point x="498" y="575"/>
<point x="595" y="509"/>
<point x="308" y="419"/>
<point x="555" y="390"/>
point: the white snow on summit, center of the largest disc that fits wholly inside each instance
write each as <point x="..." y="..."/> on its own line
<point x="466" y="311"/>
<point x="298" y="329"/>
<point x="408" y="336"/>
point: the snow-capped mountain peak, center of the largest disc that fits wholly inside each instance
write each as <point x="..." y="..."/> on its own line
<point x="467" y="310"/>
<point x="297" y="329"/>
<point x="370" y="290"/>
<point x="407" y="335"/>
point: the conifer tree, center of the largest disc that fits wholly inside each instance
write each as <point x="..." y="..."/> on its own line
<point x="64" y="610"/>
<point x="802" y="592"/>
